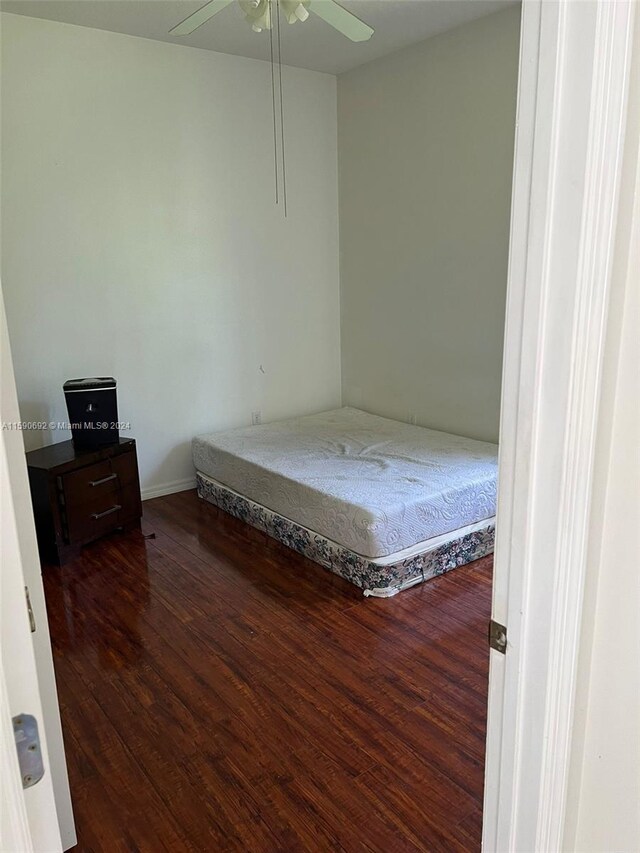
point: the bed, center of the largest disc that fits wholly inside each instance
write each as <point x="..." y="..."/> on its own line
<point x="384" y="504"/>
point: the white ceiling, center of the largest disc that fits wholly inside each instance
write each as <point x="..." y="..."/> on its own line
<point x="313" y="44"/>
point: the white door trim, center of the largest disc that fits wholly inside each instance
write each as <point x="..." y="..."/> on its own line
<point x="25" y="654"/>
<point x="573" y="90"/>
<point x="27" y="661"/>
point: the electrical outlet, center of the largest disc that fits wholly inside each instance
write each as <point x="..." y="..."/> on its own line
<point x="256" y="418"/>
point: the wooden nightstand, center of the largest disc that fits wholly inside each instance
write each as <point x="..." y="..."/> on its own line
<point x="80" y="495"/>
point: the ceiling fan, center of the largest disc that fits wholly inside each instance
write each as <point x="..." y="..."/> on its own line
<point x="265" y="15"/>
<point x="259" y="14"/>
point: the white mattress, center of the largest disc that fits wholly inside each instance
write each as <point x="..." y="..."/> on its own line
<point x="373" y="485"/>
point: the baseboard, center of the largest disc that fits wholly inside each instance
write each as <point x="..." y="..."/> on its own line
<point x="168" y="488"/>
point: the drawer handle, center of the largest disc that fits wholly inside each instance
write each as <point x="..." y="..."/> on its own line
<point x="103" y="480"/>
<point x="96" y="515"/>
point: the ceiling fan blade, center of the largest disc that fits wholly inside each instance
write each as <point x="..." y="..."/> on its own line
<point x="199" y="18"/>
<point x="345" y="22"/>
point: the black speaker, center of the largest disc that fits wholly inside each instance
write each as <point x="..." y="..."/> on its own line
<point x="92" y="405"/>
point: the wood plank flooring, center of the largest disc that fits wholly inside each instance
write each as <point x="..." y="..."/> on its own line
<point x="221" y="693"/>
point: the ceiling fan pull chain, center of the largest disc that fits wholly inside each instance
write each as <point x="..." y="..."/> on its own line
<point x="273" y="101"/>
<point x="284" y="171"/>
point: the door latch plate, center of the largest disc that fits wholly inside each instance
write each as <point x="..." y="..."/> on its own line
<point x="498" y="637"/>
<point x="32" y="618"/>
<point x="25" y="730"/>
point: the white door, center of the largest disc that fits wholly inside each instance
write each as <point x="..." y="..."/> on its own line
<point x="37" y="817"/>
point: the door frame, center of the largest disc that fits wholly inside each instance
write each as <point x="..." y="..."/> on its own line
<point x="38" y="817"/>
<point x="571" y="117"/>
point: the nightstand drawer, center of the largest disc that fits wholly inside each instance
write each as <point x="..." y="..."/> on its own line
<point x="87" y="523"/>
<point x="88" y="485"/>
<point x="108" y="506"/>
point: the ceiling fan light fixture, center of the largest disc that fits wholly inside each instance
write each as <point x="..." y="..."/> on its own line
<point x="295" y="10"/>
<point x="257" y="13"/>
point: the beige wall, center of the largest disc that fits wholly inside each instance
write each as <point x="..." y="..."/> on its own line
<point x="140" y="237"/>
<point x="425" y="146"/>
<point x="603" y="814"/>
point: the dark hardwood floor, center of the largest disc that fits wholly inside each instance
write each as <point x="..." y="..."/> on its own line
<point x="219" y="692"/>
